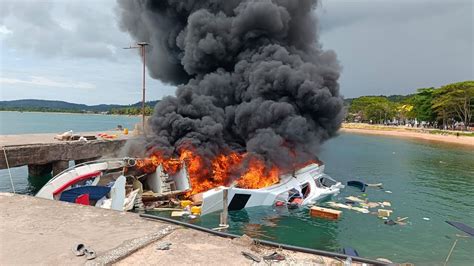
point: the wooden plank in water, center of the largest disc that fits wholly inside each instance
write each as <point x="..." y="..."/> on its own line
<point x="325" y="213"/>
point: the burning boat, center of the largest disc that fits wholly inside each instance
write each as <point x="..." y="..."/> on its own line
<point x="256" y="97"/>
<point x="306" y="185"/>
<point x="121" y="184"/>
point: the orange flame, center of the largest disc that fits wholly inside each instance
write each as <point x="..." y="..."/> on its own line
<point x="257" y="176"/>
<point x="223" y="170"/>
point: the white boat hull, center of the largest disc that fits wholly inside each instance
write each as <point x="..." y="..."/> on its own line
<point x="239" y="198"/>
<point x="47" y="191"/>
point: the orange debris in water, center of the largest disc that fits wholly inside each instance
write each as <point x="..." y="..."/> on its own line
<point x="225" y="169"/>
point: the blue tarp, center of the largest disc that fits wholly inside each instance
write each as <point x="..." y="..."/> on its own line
<point x="95" y="193"/>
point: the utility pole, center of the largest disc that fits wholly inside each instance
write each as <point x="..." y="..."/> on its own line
<point x="141" y="46"/>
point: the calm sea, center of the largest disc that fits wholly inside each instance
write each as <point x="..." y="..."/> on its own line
<point x="27" y="122"/>
<point x="430" y="183"/>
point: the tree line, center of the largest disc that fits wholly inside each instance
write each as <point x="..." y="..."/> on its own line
<point x="447" y="107"/>
<point x="131" y="111"/>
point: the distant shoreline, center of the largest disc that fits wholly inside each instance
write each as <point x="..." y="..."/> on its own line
<point x="401" y="132"/>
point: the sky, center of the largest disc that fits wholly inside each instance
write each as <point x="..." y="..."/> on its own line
<point x="71" y="50"/>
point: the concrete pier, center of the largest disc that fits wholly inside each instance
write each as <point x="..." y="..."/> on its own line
<point x="59" y="166"/>
<point x="39" y="169"/>
<point x="44" y="154"/>
<point x="39" y="231"/>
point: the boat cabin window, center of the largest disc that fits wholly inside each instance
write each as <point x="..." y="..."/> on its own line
<point x="293" y="193"/>
<point x="325" y="181"/>
<point x="305" y="189"/>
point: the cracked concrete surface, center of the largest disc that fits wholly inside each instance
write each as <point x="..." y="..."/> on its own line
<point x="40" y="231"/>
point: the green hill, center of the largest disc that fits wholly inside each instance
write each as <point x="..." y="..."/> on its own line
<point x="62" y="106"/>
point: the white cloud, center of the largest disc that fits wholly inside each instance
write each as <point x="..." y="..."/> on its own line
<point x="57" y="28"/>
<point x="47" y="82"/>
<point x="5" y="30"/>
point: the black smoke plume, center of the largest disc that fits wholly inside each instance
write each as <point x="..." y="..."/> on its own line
<point x="250" y="75"/>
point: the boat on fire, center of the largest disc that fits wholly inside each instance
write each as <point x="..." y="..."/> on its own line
<point x="118" y="184"/>
<point x="305" y="186"/>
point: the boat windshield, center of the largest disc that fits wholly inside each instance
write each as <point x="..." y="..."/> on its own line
<point x="325" y="181"/>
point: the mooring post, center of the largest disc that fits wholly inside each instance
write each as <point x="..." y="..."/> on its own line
<point x="224" y="213"/>
<point x="59" y="166"/>
<point x="38" y="170"/>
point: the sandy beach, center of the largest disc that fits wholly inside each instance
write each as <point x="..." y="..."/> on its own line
<point x="407" y="133"/>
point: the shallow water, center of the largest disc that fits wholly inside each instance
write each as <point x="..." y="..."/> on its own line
<point x="427" y="180"/>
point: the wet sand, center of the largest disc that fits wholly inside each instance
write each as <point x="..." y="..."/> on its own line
<point x="407" y="133"/>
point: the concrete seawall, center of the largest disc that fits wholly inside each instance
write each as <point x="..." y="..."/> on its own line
<point x="44" y="154"/>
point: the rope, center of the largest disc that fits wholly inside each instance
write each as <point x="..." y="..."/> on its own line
<point x="8" y="167"/>
<point x="451" y="251"/>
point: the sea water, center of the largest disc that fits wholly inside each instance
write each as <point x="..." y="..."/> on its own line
<point x="429" y="183"/>
<point x="35" y="122"/>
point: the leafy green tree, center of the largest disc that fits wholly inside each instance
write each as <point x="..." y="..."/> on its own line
<point x="456" y="100"/>
<point x="422" y="105"/>
<point x="375" y="108"/>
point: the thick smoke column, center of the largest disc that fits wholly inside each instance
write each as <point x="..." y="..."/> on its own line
<point x="251" y="76"/>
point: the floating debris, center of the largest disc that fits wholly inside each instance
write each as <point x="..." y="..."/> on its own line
<point x="178" y="213"/>
<point x="362" y="210"/>
<point x="401" y="221"/>
<point x="463" y="227"/>
<point x="326" y="213"/>
<point x="384" y="212"/>
<point x="375" y="185"/>
<point x="196" y="210"/>
<point x="354" y="199"/>
<point x="339" y="205"/>
<point x="358" y="184"/>
<point x="373" y="204"/>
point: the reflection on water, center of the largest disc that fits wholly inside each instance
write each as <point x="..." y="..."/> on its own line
<point x="37" y="182"/>
<point x="28" y="185"/>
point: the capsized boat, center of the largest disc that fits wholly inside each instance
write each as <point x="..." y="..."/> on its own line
<point x="113" y="184"/>
<point x="305" y="186"/>
<point x="117" y="184"/>
<point x="85" y="174"/>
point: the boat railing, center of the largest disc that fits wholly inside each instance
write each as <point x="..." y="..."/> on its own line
<point x="129" y="160"/>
